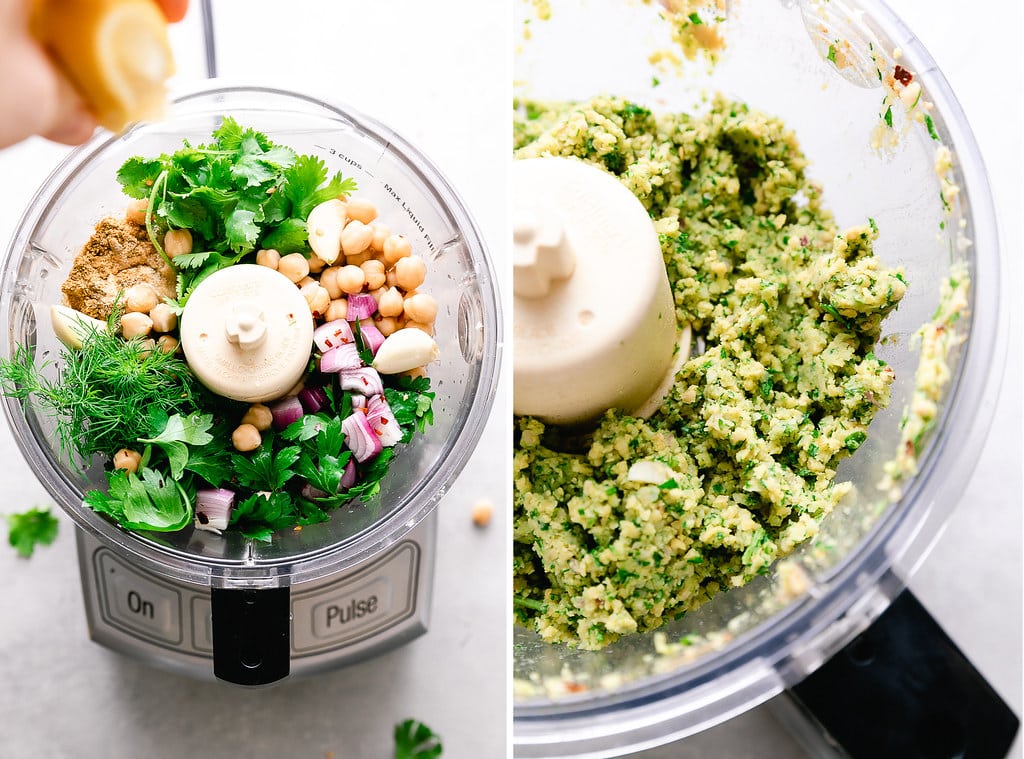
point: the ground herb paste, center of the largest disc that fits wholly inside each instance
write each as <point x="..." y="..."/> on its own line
<point x="641" y="520"/>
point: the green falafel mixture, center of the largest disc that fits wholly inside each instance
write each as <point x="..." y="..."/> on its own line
<point x="644" y="520"/>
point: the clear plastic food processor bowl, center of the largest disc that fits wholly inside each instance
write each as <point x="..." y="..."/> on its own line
<point x="753" y="642"/>
<point x="412" y="197"/>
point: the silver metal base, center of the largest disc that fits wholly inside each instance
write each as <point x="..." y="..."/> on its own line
<point x="371" y="608"/>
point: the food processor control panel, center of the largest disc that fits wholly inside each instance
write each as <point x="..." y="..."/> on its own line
<point x="342" y="618"/>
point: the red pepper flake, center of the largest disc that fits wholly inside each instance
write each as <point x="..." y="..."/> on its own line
<point x="902" y="76"/>
<point x="575" y="687"/>
<point x="804" y="241"/>
<point x="910" y="448"/>
<point x="365" y="381"/>
<point x="383" y="420"/>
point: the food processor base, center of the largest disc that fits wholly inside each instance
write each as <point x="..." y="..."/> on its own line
<point x="901" y="688"/>
<point x="375" y="606"/>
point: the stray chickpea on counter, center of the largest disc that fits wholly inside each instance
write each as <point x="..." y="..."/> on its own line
<point x="247" y="346"/>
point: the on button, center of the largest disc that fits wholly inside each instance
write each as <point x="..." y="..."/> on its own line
<point x="136" y="603"/>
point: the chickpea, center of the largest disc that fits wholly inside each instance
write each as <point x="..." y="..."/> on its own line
<point x="350" y="279"/>
<point x="318" y="299"/>
<point x="259" y="416"/>
<point x="167" y="343"/>
<point x="294" y="266"/>
<point x="164" y="319"/>
<point x="337" y="310"/>
<point x="355" y="238"/>
<point x="482" y="512"/>
<point x="387" y="325"/>
<point x="141" y="297"/>
<point x="421" y="308"/>
<point x="307" y="280"/>
<point x="246" y="438"/>
<point x="135" y="324"/>
<point x="329" y="281"/>
<point x="127" y="459"/>
<point x="362" y="210"/>
<point x="177" y="242"/>
<point x="268" y="257"/>
<point x="377" y="294"/>
<point x="359" y="259"/>
<point x="428" y="328"/>
<point x="316" y="264"/>
<point x="396" y="247"/>
<point x="381" y="232"/>
<point x="373" y="270"/>
<point x="391" y="279"/>
<point x="391" y="303"/>
<point x="146" y="346"/>
<point x="410" y="272"/>
<point x="135" y="212"/>
<point x="416" y="373"/>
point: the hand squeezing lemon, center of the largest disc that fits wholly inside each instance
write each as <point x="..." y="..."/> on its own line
<point x="115" y="53"/>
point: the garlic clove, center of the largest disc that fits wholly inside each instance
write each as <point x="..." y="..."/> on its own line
<point x="405" y="349"/>
<point x="71" y="326"/>
<point x="324" y="225"/>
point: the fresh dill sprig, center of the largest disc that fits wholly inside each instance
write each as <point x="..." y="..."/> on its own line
<point x="105" y="394"/>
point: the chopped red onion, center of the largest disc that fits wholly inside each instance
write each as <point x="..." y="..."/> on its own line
<point x="360" y="306"/>
<point x="363" y="380"/>
<point x="213" y="508"/>
<point x="358" y="401"/>
<point x="382" y="421"/>
<point x="359" y="437"/>
<point x="332" y="334"/>
<point x="286" y="411"/>
<point x="312" y="399"/>
<point x="344" y="356"/>
<point x="348" y="476"/>
<point x="372" y="336"/>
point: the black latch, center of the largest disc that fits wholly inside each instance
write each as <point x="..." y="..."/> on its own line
<point x="251" y="635"/>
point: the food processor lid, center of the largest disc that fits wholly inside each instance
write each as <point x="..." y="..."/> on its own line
<point x="595" y="324"/>
<point x="247" y="332"/>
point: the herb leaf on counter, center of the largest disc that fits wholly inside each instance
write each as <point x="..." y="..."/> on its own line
<point x="414" y="740"/>
<point x="31" y="528"/>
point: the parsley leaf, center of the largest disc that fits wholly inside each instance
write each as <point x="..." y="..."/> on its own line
<point x="31" y="528"/>
<point x="151" y="501"/>
<point x="266" y="470"/>
<point x="414" y="740"/>
<point x="180" y="432"/>
<point x="411" y="403"/>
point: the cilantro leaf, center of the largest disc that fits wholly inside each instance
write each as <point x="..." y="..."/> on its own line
<point x="136" y="176"/>
<point x="289" y="236"/>
<point x="414" y="740"/>
<point x="31" y="528"/>
<point x="241" y="230"/>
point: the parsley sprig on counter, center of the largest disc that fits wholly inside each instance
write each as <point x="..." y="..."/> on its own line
<point x="238" y="193"/>
<point x="31" y="528"/>
<point x="414" y="740"/>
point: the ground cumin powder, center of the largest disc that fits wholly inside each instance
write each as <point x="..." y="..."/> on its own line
<point x="117" y="256"/>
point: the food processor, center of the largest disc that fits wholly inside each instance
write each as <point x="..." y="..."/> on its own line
<point x="220" y="605"/>
<point x="833" y="626"/>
